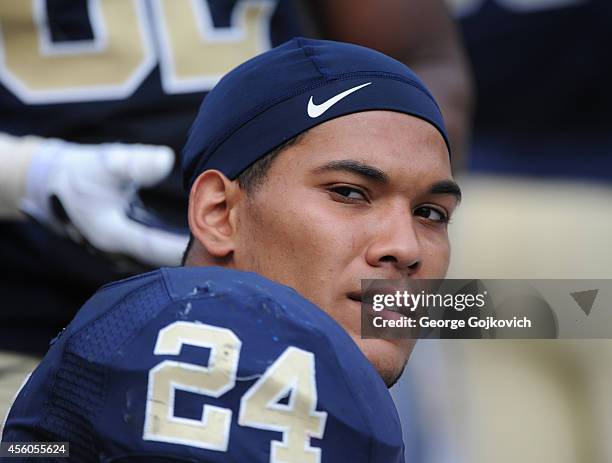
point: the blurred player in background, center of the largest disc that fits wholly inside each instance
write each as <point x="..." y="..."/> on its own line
<point x="540" y="192"/>
<point x="332" y="166"/>
<point x="98" y="95"/>
<point x="541" y="140"/>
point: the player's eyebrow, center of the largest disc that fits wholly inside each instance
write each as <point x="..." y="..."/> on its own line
<point x="442" y="187"/>
<point x="446" y="187"/>
<point x="354" y="167"/>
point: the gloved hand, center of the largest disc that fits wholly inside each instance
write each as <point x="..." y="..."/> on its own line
<point x="83" y="192"/>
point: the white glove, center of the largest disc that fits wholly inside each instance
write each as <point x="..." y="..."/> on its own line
<point x="94" y="184"/>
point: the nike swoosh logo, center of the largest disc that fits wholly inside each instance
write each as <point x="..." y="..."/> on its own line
<point x="315" y="110"/>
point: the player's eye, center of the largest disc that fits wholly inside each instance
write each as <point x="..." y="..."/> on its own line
<point x="348" y="193"/>
<point x="432" y="213"/>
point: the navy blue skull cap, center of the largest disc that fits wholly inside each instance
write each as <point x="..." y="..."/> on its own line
<point x="291" y="88"/>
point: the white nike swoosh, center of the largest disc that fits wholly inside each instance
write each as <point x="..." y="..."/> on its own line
<point x="315" y="110"/>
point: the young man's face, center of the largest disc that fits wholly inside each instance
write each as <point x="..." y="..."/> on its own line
<point x="352" y="200"/>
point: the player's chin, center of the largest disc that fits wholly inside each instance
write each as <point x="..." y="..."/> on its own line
<point x="388" y="357"/>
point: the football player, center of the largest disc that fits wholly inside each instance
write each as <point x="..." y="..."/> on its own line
<point x="313" y="165"/>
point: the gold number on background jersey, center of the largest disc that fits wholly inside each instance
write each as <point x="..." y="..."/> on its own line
<point x="112" y="65"/>
<point x="192" y="54"/>
<point x="292" y="374"/>
<point x="212" y="431"/>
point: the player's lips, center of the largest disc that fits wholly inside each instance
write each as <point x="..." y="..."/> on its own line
<point x="369" y="293"/>
<point x="367" y="296"/>
<point x="387" y="313"/>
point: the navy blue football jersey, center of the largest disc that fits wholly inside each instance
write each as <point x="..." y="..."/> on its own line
<point x="113" y="71"/>
<point x="210" y="365"/>
<point x="542" y="72"/>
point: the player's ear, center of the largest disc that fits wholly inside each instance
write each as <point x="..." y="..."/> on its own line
<point x="211" y="219"/>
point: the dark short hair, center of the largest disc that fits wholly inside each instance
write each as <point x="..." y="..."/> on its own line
<point x="253" y="177"/>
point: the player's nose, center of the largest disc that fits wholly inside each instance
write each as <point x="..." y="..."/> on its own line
<point x="396" y="244"/>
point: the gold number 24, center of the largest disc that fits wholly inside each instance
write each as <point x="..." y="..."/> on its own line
<point x="129" y="38"/>
<point x="293" y="374"/>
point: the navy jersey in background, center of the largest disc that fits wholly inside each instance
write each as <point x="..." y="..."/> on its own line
<point x="543" y="78"/>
